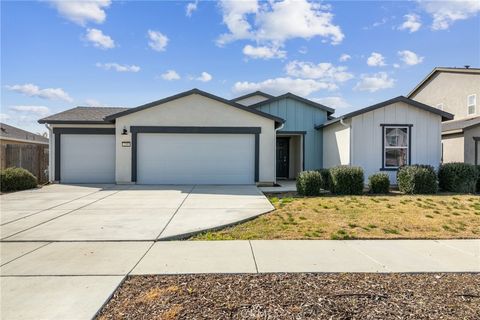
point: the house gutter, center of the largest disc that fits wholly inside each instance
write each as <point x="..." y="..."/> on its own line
<point x="51" y="152"/>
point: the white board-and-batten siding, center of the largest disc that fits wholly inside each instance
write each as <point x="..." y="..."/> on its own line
<point x="366" y="136"/>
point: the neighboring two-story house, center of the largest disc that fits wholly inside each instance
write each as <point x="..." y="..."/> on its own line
<point x="457" y="91"/>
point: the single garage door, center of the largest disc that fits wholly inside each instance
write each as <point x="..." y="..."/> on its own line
<point x="195" y="158"/>
<point x="87" y="158"/>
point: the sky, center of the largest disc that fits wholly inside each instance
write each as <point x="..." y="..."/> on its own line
<point x="56" y="55"/>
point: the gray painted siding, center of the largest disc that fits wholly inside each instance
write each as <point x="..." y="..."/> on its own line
<point x="301" y="117"/>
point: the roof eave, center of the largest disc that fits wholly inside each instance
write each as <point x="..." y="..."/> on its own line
<point x="42" y="121"/>
<point x="190" y="92"/>
<point x="290" y="95"/>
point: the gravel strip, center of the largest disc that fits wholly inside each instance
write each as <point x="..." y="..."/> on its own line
<point x="297" y="296"/>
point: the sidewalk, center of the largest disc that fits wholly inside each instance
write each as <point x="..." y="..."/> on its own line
<point x="46" y="280"/>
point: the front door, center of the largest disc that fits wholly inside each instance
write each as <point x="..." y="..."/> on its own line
<point x="282" y="157"/>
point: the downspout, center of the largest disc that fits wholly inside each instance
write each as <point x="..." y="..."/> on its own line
<point x="342" y="122"/>
<point x="275" y="153"/>
<point x="50" y="152"/>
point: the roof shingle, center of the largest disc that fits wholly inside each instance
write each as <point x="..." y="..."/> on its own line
<point x="9" y="132"/>
<point x="83" y="115"/>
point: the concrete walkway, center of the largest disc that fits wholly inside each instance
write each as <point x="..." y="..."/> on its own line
<point x="125" y="212"/>
<point x="72" y="280"/>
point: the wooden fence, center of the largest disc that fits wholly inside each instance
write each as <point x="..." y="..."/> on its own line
<point x="32" y="157"/>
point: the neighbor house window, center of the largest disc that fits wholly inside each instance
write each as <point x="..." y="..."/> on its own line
<point x="472" y="104"/>
<point x="396" y="146"/>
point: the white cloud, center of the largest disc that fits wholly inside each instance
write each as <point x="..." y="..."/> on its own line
<point x="263" y="52"/>
<point x="99" y="39"/>
<point x="170" y="75"/>
<point x="410" y="58"/>
<point x="333" y="102"/>
<point x="32" y="90"/>
<point x="82" y="12"/>
<point x="374" y="82"/>
<point x="277" y="22"/>
<point x="376" y="24"/>
<point x="445" y="13"/>
<point x="303" y="50"/>
<point x="96" y="103"/>
<point x="396" y="65"/>
<point x="344" y="57"/>
<point x="38" y="110"/>
<point x="158" y="41"/>
<point x="412" y="23"/>
<point x="376" y="60"/>
<point x="204" y="77"/>
<point x="4" y="117"/>
<point x="321" y="71"/>
<point x="302" y="87"/>
<point x="190" y="8"/>
<point x="118" y="67"/>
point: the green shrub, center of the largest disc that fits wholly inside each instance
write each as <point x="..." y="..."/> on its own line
<point x="347" y="180"/>
<point x="14" y="179"/>
<point x="417" y="179"/>
<point x="379" y="183"/>
<point x="326" y="178"/>
<point x="309" y="183"/>
<point x="458" y="177"/>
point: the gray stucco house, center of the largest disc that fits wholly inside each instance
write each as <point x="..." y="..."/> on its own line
<point x="195" y="137"/>
<point x="457" y="91"/>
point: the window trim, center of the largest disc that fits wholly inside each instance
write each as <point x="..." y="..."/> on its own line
<point x="409" y="146"/>
<point x="474" y="104"/>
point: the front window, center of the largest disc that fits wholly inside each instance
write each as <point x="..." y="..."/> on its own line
<point x="396" y="144"/>
<point x="472" y="103"/>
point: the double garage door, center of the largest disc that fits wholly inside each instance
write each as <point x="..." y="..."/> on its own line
<point x="195" y="158"/>
<point x="162" y="158"/>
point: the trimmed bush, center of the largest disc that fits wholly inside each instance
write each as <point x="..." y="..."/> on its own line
<point x="326" y="178"/>
<point x="15" y="179"/>
<point x="347" y="180"/>
<point x="309" y="183"/>
<point x="458" y="177"/>
<point x="379" y="183"/>
<point x="417" y="179"/>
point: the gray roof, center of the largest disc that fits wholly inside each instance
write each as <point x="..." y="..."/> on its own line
<point x="461" y="124"/>
<point x="252" y="94"/>
<point x="294" y="97"/>
<point x="79" y="115"/>
<point x="9" y="132"/>
<point x="445" y="115"/>
<point x="442" y="69"/>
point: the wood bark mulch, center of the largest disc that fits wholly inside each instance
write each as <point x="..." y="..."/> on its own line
<point x="297" y="296"/>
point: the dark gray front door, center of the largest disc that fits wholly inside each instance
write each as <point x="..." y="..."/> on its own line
<point x="282" y="157"/>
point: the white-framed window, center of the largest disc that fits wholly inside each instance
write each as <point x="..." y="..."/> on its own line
<point x="472" y="104"/>
<point x="396" y="146"/>
<point x="440" y="106"/>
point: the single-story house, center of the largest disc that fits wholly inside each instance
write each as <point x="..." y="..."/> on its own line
<point x="385" y="136"/>
<point x="13" y="135"/>
<point x="198" y="138"/>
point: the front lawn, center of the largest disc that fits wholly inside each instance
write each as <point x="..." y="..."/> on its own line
<point x="393" y="216"/>
<point x="297" y="296"/>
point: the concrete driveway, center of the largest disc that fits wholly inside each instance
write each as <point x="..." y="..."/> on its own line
<point x="125" y="212"/>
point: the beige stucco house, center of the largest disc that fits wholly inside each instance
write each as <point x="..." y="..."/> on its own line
<point x="457" y="91"/>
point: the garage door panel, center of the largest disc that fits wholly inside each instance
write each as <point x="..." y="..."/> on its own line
<point x="195" y="158"/>
<point x="87" y="158"/>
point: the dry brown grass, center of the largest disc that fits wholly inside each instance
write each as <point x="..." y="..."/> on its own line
<point x="394" y="216"/>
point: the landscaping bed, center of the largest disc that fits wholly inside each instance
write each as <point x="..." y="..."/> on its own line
<point x="297" y="296"/>
<point x="393" y="216"/>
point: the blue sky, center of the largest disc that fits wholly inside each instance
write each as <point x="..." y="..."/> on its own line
<point x="59" y="54"/>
